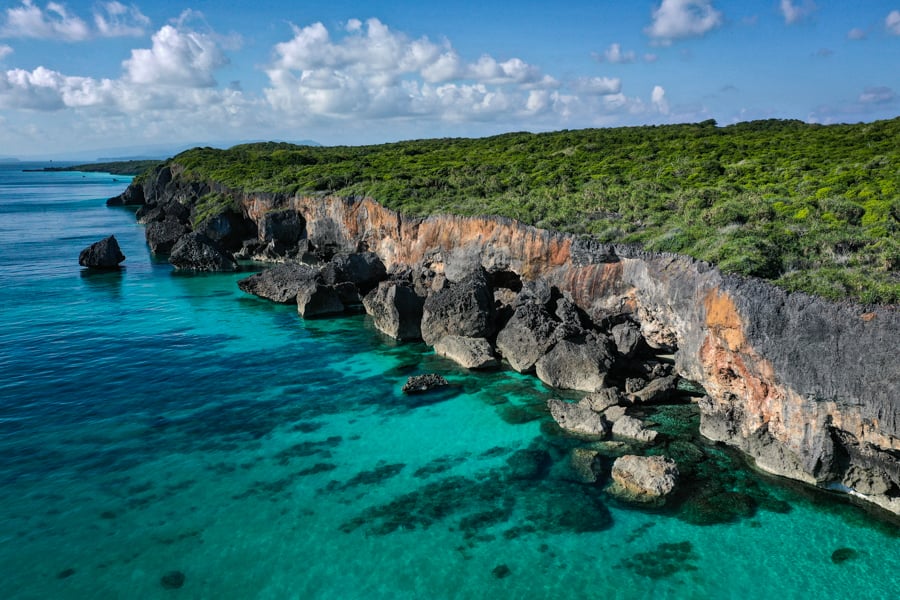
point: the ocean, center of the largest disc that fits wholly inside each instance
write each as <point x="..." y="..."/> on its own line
<point x="166" y="435"/>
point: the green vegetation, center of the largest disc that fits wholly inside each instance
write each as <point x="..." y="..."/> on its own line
<point x="809" y="207"/>
<point x="124" y="167"/>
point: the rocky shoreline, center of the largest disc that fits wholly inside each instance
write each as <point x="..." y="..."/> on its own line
<point x="807" y="388"/>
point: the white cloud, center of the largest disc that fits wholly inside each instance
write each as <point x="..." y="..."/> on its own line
<point x="677" y="19"/>
<point x="53" y="22"/>
<point x="597" y="86"/>
<point x="120" y="20"/>
<point x="892" y="22"/>
<point x="877" y="95"/>
<point x="177" y="57"/>
<point x="5" y="51"/>
<point x="658" y="100"/>
<point x="856" y="34"/>
<point x="615" y="55"/>
<point x="374" y="72"/>
<point x="796" y="12"/>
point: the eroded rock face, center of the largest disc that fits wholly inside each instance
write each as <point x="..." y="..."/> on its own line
<point x="643" y="479"/>
<point x="576" y="365"/>
<point x="196" y="252"/>
<point x="316" y="299"/>
<point x="162" y="235"/>
<point x="632" y="428"/>
<point x="465" y="308"/>
<point x="280" y="283"/>
<point x="471" y="353"/>
<point x="578" y="418"/>
<point x="104" y="254"/>
<point x="527" y="336"/>
<point x="396" y="310"/>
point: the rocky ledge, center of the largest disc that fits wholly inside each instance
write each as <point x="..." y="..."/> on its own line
<point x="809" y="389"/>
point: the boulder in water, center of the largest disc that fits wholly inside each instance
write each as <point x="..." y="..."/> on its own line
<point x="104" y="254"/>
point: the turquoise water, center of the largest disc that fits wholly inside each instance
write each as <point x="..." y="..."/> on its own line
<point x="153" y="423"/>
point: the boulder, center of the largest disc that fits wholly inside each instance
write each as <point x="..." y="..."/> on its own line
<point x="423" y="383"/>
<point x="196" y="252"/>
<point x="578" y="418"/>
<point x="643" y="479"/>
<point x="658" y="390"/>
<point x="396" y="309"/>
<point x="527" y="336"/>
<point x="227" y="228"/>
<point x="363" y="269"/>
<point x="628" y="339"/>
<point x="162" y="235"/>
<point x="614" y="413"/>
<point x="471" y="353"/>
<point x="104" y="254"/>
<point x="315" y="299"/>
<point x="600" y="401"/>
<point x="280" y="283"/>
<point x="577" y="365"/>
<point x="465" y="308"/>
<point x="132" y="196"/>
<point x="632" y="428"/>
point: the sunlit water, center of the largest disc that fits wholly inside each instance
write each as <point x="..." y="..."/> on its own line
<point x="166" y="435"/>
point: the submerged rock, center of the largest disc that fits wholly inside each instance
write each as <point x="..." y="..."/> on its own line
<point x="471" y="353"/>
<point x="629" y="427"/>
<point x="643" y="479"/>
<point x="576" y="365"/>
<point x="581" y="462"/>
<point x="423" y="383"/>
<point x="578" y="418"/>
<point x="396" y="309"/>
<point x="196" y="252"/>
<point x="172" y="580"/>
<point x="281" y="283"/>
<point x="104" y="254"/>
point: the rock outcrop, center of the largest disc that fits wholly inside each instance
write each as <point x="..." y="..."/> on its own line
<point x="104" y="254"/>
<point x="471" y="353"/>
<point x="643" y="479"/>
<point x="396" y="310"/>
<point x="418" y="384"/>
<point x="465" y="309"/>
<point x="196" y="252"/>
<point x="792" y="380"/>
<point x="574" y="365"/>
<point x="578" y="418"/>
<point x="280" y="283"/>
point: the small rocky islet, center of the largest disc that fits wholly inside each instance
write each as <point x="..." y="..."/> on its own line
<point x="481" y="305"/>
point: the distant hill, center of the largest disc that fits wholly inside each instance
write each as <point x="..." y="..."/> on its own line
<point x="126" y="167"/>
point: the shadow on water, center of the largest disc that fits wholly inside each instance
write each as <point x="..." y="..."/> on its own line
<point x="106" y="281"/>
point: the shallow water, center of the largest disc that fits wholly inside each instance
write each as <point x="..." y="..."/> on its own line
<point x="153" y="423"/>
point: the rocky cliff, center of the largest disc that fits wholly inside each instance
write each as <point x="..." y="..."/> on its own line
<point x="809" y="389"/>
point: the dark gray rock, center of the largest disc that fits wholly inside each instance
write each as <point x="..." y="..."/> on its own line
<point x="657" y="391"/>
<point x="423" y="383"/>
<point x="396" y="309"/>
<point x="104" y="254"/>
<point x="577" y="365"/>
<point x="227" y="229"/>
<point x="132" y="196"/>
<point x="527" y="336"/>
<point x="578" y="418"/>
<point x="284" y="226"/>
<point x="363" y="269"/>
<point x="465" y="308"/>
<point x="628" y="339"/>
<point x="471" y="353"/>
<point x="280" y="283"/>
<point x="603" y="399"/>
<point x="316" y="299"/>
<point x="196" y="252"/>
<point x="162" y="235"/>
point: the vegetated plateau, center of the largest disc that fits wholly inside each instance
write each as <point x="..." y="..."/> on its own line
<point x="811" y="208"/>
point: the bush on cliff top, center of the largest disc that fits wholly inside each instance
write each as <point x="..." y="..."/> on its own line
<point x="809" y="207"/>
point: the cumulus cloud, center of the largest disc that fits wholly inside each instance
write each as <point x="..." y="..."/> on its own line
<point x="597" y="86"/>
<point x="892" y="22"/>
<point x="677" y="19"/>
<point x="114" y="19"/>
<point x="615" y="55"/>
<point x="856" y="34"/>
<point x="658" y="100"/>
<point x="797" y="12"/>
<point x="5" y="51"/>
<point x="877" y="95"/>
<point x="176" y="57"/>
<point x="374" y="72"/>
<point x="54" y="21"/>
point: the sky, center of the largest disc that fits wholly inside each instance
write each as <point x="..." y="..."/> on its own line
<point x="111" y="78"/>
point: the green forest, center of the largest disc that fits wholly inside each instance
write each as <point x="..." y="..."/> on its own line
<point x="809" y="207"/>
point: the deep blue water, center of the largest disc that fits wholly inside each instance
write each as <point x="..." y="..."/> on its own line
<point x="154" y="422"/>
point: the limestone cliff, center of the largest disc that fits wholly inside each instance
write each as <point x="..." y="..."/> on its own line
<point x="809" y="389"/>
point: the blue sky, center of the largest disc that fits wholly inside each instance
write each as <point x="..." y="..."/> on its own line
<point x="79" y="77"/>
